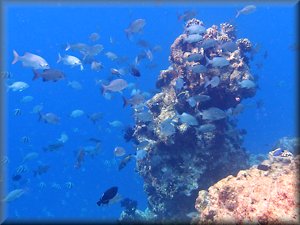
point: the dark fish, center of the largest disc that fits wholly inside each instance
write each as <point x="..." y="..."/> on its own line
<point x="128" y="135"/>
<point x="108" y="195"/>
<point x="135" y="27"/>
<point x="49" y="74"/>
<point x="278" y="152"/>
<point x="125" y="161"/>
<point x="16" y="177"/>
<point x="263" y="167"/>
<point x="135" y="72"/>
<point x="53" y="147"/>
<point x="96" y="140"/>
<point x="94" y="117"/>
<point x="40" y="170"/>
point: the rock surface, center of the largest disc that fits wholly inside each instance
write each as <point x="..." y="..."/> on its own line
<point x="268" y="195"/>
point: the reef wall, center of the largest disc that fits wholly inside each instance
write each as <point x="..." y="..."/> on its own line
<point x="188" y="129"/>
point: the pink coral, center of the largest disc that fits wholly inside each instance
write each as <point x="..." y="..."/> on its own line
<point x="254" y="196"/>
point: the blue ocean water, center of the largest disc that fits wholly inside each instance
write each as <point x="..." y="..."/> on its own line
<point x="45" y="29"/>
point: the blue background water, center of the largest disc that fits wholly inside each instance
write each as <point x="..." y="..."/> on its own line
<point x="44" y="29"/>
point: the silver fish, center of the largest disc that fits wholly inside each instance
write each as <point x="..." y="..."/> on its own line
<point x="94" y="36"/>
<point x="246" y="10"/>
<point x="135" y="27"/>
<point x="27" y="98"/>
<point x="167" y="128"/>
<point x="195" y="57"/>
<point x="229" y="46"/>
<point x="31" y="60"/>
<point x="112" y="56"/>
<point x="144" y="116"/>
<point x="217" y="62"/>
<point x="188" y="119"/>
<point x="212" y="114"/>
<point x="49" y="118"/>
<point x="13" y="195"/>
<point x="70" y="60"/>
<point x="192" y="38"/>
<point x="134" y="100"/>
<point x="96" y="66"/>
<point x="18" y="86"/>
<point x="195" y="29"/>
<point x="206" y="128"/>
<point x="76" y="47"/>
<point x="116" y="85"/>
<point x="75" y="85"/>
<point x="214" y="82"/>
<point x="198" y="68"/>
<point x="248" y="84"/>
<point x="208" y="43"/>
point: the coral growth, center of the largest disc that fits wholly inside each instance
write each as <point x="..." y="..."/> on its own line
<point x="190" y="133"/>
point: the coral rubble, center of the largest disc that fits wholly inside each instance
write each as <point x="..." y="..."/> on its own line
<point x="264" y="194"/>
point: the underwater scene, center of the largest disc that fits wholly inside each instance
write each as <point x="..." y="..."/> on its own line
<point x="151" y="112"/>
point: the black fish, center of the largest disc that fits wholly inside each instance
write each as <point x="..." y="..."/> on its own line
<point x="125" y="161"/>
<point x="108" y="195"/>
<point x="135" y="72"/>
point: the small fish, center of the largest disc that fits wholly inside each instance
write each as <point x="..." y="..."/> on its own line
<point x="195" y="57"/>
<point x="118" y="72"/>
<point x="94" y="117"/>
<point x="201" y="98"/>
<point x="277" y="152"/>
<point x="188" y="119"/>
<point x="246" y="10"/>
<point x="116" y="123"/>
<point x="18" y="86"/>
<point x="75" y="85"/>
<point x="167" y="128"/>
<point x="179" y="83"/>
<point x="27" y="98"/>
<point x="107" y="196"/>
<point x="13" y="195"/>
<point x="112" y="56"/>
<point x="213" y="114"/>
<point x="134" y="71"/>
<point x="135" y="27"/>
<point x="140" y="154"/>
<point x="187" y="15"/>
<point x="4" y="160"/>
<point x="54" y="147"/>
<point x="144" y="116"/>
<point x="76" y="47"/>
<point x="96" y="66"/>
<point x="247" y="84"/>
<point x="119" y="151"/>
<point x="116" y="85"/>
<point x="143" y="43"/>
<point x="63" y="138"/>
<point x="37" y="108"/>
<point x="214" y="82"/>
<point x="94" y="36"/>
<point x="198" y="68"/>
<point x="208" y="43"/>
<point x="48" y="75"/>
<point x="217" y="62"/>
<point x="30" y="156"/>
<point x="229" y="46"/>
<point x="49" y="118"/>
<point x="195" y="29"/>
<point x="91" y="51"/>
<point x="80" y="158"/>
<point x="70" y="60"/>
<point x="125" y="161"/>
<point x="96" y="140"/>
<point x="134" y="100"/>
<point x="206" y="128"/>
<point x="25" y="139"/>
<point x="56" y="186"/>
<point x="69" y="185"/>
<point x="192" y="38"/>
<point x="17" y="112"/>
<point x="41" y="169"/>
<point x="76" y="113"/>
<point x="21" y="169"/>
<point x="31" y="60"/>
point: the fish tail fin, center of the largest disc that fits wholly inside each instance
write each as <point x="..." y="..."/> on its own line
<point x="40" y="116"/>
<point x="237" y="14"/>
<point x="208" y="61"/>
<point x="59" y="58"/>
<point x="99" y="203"/>
<point x="68" y="47"/>
<point x="125" y="102"/>
<point x="36" y="75"/>
<point x="128" y="34"/>
<point x="16" y="57"/>
<point x="103" y="89"/>
<point x="81" y="67"/>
